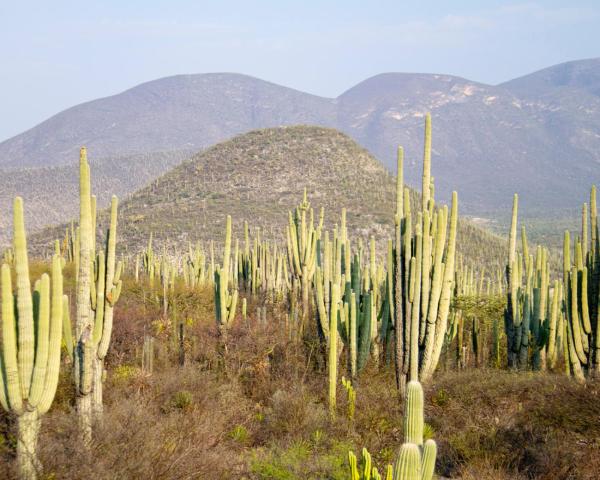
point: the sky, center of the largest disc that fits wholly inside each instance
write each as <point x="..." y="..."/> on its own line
<point x="60" y="53"/>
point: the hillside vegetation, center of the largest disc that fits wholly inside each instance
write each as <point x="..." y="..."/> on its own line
<point x="52" y="193"/>
<point x="391" y="341"/>
<point x="259" y="177"/>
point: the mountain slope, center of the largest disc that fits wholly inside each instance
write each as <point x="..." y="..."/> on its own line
<point x="181" y="112"/>
<point x="538" y="135"/>
<point x="582" y="75"/>
<point x="259" y="177"/>
<point x="51" y="194"/>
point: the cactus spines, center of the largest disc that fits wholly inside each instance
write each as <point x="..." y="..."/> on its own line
<point x="31" y="344"/>
<point x="413" y="419"/>
<point x="428" y="461"/>
<point x="415" y="459"/>
<point x="408" y="464"/>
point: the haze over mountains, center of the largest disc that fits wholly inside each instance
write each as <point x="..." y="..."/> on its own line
<point x="538" y="135"/>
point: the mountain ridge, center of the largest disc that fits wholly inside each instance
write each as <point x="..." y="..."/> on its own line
<point x="489" y="141"/>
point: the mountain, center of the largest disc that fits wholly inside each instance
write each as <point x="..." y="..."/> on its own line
<point x="260" y="176"/>
<point x="184" y="112"/>
<point x="578" y="76"/>
<point x="538" y="135"/>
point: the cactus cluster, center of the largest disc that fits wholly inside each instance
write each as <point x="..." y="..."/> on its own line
<point x="581" y="277"/>
<point x="534" y="323"/>
<point x="423" y="273"/>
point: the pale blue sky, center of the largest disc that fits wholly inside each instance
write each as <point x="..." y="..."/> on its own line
<point x="55" y="54"/>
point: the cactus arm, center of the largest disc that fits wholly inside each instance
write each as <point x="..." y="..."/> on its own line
<point x="428" y="461"/>
<point x="354" y="475"/>
<point x="59" y="301"/>
<point x="426" y="178"/>
<point x="41" y="355"/>
<point x="66" y="328"/>
<point x="446" y="296"/>
<point x="26" y="343"/>
<point x="9" y="346"/>
<point x="413" y="417"/>
<point x="585" y="312"/>
<point x="113" y="282"/>
<point x="98" y="295"/>
<point x="3" y="392"/>
<point x="332" y="361"/>
<point x="232" y="308"/>
<point x="408" y="464"/>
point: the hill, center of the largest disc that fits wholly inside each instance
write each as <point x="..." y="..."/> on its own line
<point x="51" y="194"/>
<point x="538" y="135"/>
<point x="260" y="176"/>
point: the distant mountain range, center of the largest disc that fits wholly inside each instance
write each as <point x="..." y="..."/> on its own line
<point x="538" y="135"/>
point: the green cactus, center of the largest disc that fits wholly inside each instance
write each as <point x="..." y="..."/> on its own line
<point x="333" y="347"/>
<point x="98" y="289"/>
<point x="225" y="299"/>
<point x="31" y="339"/>
<point x="416" y="460"/>
<point x="351" y="397"/>
<point x="581" y="279"/>
<point x="424" y="274"/>
<point x="84" y="323"/>
<point x="302" y="241"/>
<point x="107" y="273"/>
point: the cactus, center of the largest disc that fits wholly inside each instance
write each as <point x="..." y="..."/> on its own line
<point x="148" y="355"/>
<point x="581" y="278"/>
<point x="225" y="300"/>
<point x="333" y="352"/>
<point x="416" y="460"/>
<point x="84" y="322"/>
<point x="30" y="360"/>
<point x="526" y="315"/>
<point x="98" y="290"/>
<point x="302" y="240"/>
<point x="424" y="273"/>
<point x="109" y="284"/>
<point x="351" y="396"/>
<point x="368" y="471"/>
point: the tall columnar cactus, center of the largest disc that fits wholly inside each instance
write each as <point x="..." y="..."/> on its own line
<point x="513" y="313"/>
<point x="416" y="459"/>
<point x="302" y="241"/>
<point x="98" y="289"/>
<point x="424" y="274"/>
<point x="225" y="298"/>
<point x="531" y="315"/>
<point x="31" y="341"/>
<point x="333" y="348"/>
<point x="84" y="352"/>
